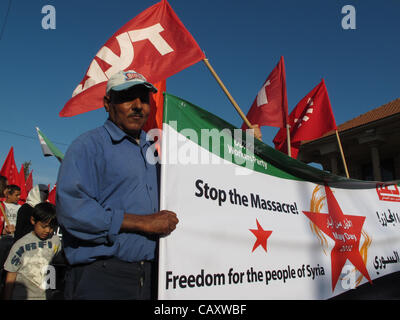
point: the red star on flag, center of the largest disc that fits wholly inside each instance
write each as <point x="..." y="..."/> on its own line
<point x="345" y="230"/>
<point x="261" y="235"/>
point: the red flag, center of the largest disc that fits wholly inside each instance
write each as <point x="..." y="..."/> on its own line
<point x="22" y="183"/>
<point x="310" y="119"/>
<point x="29" y="182"/>
<point x="270" y="107"/>
<point x="156" y="107"/>
<point x="9" y="169"/>
<point x="155" y="43"/>
<point x="294" y="148"/>
<point x="52" y="196"/>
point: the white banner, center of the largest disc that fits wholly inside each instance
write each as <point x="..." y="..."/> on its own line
<point x="257" y="236"/>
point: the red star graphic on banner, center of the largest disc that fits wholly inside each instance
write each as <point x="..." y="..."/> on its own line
<point x="345" y="230"/>
<point x="261" y="235"/>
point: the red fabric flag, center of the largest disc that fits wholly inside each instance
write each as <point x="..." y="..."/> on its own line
<point x="9" y="169"/>
<point x="156" y="107"/>
<point x="155" y="43"/>
<point x="270" y="107"/>
<point x="22" y="183"/>
<point x="52" y="196"/>
<point x="294" y="148"/>
<point x="310" y="119"/>
<point x="29" y="183"/>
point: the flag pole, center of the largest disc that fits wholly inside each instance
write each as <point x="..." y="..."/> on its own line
<point x="4" y="215"/>
<point x="227" y="92"/>
<point x="289" y="148"/>
<point x="342" y="154"/>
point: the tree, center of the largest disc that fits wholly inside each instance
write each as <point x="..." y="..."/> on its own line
<point x="26" y="165"/>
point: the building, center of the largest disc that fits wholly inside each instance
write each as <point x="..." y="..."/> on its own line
<point x="371" y="146"/>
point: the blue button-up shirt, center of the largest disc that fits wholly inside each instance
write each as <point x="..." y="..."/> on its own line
<point x="103" y="175"/>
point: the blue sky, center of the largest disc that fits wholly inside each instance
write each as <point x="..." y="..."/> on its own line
<point x="243" y="41"/>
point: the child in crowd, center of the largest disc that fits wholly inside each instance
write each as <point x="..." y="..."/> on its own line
<point x="9" y="209"/>
<point x="11" y="206"/>
<point x="30" y="256"/>
<point x="3" y="186"/>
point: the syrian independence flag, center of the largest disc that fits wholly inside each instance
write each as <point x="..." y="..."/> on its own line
<point x="9" y="169"/>
<point x="270" y="107"/>
<point x="309" y="120"/>
<point x="48" y="148"/>
<point x="155" y="43"/>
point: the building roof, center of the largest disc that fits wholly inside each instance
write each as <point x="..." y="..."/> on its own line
<point x="379" y="113"/>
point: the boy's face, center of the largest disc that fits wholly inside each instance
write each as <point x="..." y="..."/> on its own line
<point x="42" y="229"/>
<point x="13" y="197"/>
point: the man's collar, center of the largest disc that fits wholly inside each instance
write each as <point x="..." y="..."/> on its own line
<point x="117" y="135"/>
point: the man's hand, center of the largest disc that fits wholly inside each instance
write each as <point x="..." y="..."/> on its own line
<point x="162" y="222"/>
<point x="10" y="229"/>
<point x="257" y="131"/>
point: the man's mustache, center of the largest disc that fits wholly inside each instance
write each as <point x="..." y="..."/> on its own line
<point x="136" y="114"/>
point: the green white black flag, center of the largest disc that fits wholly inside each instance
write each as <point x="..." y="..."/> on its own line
<point x="48" y="148"/>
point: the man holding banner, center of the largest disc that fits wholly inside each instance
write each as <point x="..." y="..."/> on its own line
<point x="107" y="200"/>
<point x="105" y="177"/>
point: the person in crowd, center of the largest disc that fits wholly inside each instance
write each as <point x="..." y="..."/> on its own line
<point x="3" y="185"/>
<point x="5" y="244"/>
<point x="11" y="207"/>
<point x="30" y="257"/>
<point x="39" y="193"/>
<point x="108" y="203"/>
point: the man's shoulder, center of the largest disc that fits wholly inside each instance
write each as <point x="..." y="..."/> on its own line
<point x="91" y="135"/>
<point x="91" y="138"/>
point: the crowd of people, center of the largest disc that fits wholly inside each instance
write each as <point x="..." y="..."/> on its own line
<point x="28" y="243"/>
